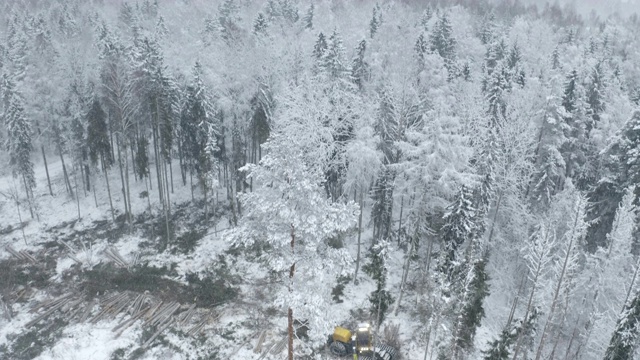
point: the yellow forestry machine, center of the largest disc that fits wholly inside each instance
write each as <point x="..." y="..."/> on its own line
<point x="358" y="344"/>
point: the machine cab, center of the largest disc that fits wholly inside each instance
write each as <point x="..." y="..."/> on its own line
<point x="363" y="339"/>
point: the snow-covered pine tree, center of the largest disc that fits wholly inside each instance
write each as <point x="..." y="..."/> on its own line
<point x="471" y="312"/>
<point x="442" y="42"/>
<point x="488" y="29"/>
<point x="630" y="153"/>
<point x="555" y="58"/>
<point x="19" y="143"/>
<point x="495" y="94"/>
<point x="260" y="25"/>
<point x="319" y="50"/>
<point x="549" y="176"/>
<point x="380" y="299"/>
<point x="197" y="113"/>
<point x="427" y="14"/>
<point x="98" y="134"/>
<point x="373" y="24"/>
<point x="289" y="11"/>
<point x="610" y="270"/>
<point x="595" y="97"/>
<point x="308" y="17"/>
<point x="514" y="57"/>
<point x="99" y="143"/>
<point x="624" y="339"/>
<point x="538" y="253"/>
<point x="360" y="67"/>
<point x="289" y="211"/>
<point x="459" y="227"/>
<point x="420" y="49"/>
<point x="333" y="61"/>
<point x="566" y="269"/>
<point x="623" y="165"/>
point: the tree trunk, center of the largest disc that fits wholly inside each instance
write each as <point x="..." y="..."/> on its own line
<point x="84" y="185"/>
<point x="193" y="199"/>
<point x="633" y="281"/>
<point x="234" y="209"/>
<point x="158" y="165"/>
<point x="400" y="222"/>
<point x="46" y="169"/>
<point x="75" y="181"/>
<point x="106" y="180"/>
<point x="127" y="190"/>
<point x="124" y="192"/>
<point x="145" y="179"/>
<point x="554" y="302"/>
<point x="164" y="209"/>
<point x="171" y="174"/>
<point x="87" y="173"/>
<point x="168" y="199"/>
<point x="528" y="309"/>
<point x="405" y="274"/>
<point x="66" y="175"/>
<point x="26" y="190"/>
<point x="495" y="216"/>
<point x="133" y="162"/>
<point x="355" y="277"/>
<point x="183" y="171"/>
<point x="206" y="201"/>
<point x="24" y="237"/>
<point x="292" y="271"/>
<point x="95" y="197"/>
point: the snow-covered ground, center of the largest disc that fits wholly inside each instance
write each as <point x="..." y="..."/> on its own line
<point x="233" y="333"/>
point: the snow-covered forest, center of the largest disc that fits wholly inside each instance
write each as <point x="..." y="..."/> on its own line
<point x="232" y="179"/>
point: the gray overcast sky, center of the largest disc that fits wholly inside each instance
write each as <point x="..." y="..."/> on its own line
<point x="602" y="7"/>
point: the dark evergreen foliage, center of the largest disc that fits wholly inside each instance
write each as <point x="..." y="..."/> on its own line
<point x="98" y="135"/>
<point x="260" y="25"/>
<point x="459" y="226"/>
<point x="472" y="309"/>
<point x="624" y="339"/>
<point x="359" y="67"/>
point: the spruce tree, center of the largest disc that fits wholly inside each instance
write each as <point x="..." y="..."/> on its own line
<point x="426" y="16"/>
<point x="319" y="50"/>
<point x="595" y="97"/>
<point x="442" y="41"/>
<point x="459" y="227"/>
<point x="420" y="48"/>
<point x="555" y="58"/>
<point x="373" y="24"/>
<point x="380" y="299"/>
<point x="333" y="59"/>
<point x="472" y="312"/>
<point x="98" y="135"/>
<point x="515" y="56"/>
<point x="289" y="11"/>
<point x="19" y="144"/>
<point x="260" y="25"/>
<point x="624" y="339"/>
<point x="308" y="17"/>
<point x="359" y="67"/>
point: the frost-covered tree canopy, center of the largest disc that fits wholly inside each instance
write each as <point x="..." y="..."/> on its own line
<point x="235" y="178"/>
